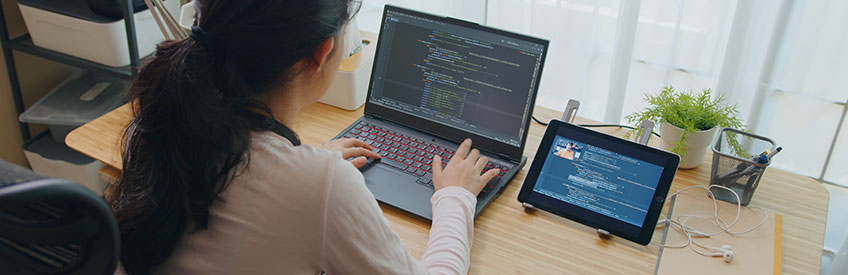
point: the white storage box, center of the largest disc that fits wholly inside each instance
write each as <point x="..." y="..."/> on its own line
<point x="76" y="101"/>
<point x="51" y="158"/>
<point x="70" y="27"/>
<point x="350" y="87"/>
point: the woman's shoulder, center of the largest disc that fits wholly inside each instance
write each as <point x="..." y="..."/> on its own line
<point x="277" y="168"/>
<point x="280" y="154"/>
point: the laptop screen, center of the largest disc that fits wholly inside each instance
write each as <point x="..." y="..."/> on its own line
<point x="458" y="74"/>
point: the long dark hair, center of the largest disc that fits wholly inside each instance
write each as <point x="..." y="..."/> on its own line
<point x="194" y="108"/>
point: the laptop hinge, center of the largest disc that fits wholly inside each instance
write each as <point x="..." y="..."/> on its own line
<point x="374" y="116"/>
<point x="504" y="156"/>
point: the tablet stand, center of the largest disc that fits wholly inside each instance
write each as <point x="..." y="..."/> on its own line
<point x="603" y="234"/>
<point x="570" y="111"/>
<point x="646" y="128"/>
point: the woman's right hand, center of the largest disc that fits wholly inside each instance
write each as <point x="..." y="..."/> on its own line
<point x="464" y="170"/>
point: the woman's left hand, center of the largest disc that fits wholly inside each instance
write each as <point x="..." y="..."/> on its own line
<point x="352" y="148"/>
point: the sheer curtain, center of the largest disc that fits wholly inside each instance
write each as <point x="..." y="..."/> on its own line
<point x="780" y="61"/>
<point x="582" y="35"/>
<point x="805" y="100"/>
<point x="471" y="10"/>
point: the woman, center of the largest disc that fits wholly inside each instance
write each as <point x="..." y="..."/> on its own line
<point x="214" y="180"/>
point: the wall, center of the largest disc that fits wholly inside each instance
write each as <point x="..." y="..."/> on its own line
<point x="37" y="77"/>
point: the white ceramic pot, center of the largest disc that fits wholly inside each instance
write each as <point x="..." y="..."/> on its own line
<point x="696" y="144"/>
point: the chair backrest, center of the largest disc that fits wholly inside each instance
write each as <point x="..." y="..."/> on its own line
<point x="54" y="226"/>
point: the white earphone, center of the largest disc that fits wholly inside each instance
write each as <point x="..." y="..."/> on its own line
<point x="724" y="252"/>
<point x="680" y="224"/>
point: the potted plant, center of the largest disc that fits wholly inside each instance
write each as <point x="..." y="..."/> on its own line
<point x="688" y="122"/>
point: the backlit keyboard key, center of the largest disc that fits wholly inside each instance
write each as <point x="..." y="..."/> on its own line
<point x="412" y="155"/>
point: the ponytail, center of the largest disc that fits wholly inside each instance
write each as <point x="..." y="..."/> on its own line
<point x="194" y="108"/>
<point x="180" y="147"/>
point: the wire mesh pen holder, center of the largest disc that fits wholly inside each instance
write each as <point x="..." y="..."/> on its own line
<point x="737" y="164"/>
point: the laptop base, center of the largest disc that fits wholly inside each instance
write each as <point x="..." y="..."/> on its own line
<point x="397" y="187"/>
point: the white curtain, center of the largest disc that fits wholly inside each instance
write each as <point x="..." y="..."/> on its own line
<point x="804" y="105"/>
<point x="471" y="10"/>
<point x="780" y="61"/>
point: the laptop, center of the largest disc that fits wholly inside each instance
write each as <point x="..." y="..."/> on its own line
<point x="435" y="82"/>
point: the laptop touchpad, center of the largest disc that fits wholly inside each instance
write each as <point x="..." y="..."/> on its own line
<point x="395" y="188"/>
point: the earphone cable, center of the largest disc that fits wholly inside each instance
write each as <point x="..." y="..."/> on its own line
<point x="680" y="225"/>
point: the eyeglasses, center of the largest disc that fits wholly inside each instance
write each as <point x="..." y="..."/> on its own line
<point x="353" y="8"/>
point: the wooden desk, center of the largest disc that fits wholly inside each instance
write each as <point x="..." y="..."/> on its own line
<point x="509" y="241"/>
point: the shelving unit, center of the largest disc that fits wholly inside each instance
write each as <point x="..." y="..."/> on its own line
<point x="24" y="44"/>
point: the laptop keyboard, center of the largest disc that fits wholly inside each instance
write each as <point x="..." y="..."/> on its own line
<point x="412" y="155"/>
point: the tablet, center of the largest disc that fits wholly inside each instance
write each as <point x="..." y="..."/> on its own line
<point x="599" y="180"/>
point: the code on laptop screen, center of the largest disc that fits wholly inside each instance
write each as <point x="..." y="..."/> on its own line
<point x="471" y="79"/>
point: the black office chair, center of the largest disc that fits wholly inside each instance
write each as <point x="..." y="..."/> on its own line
<point x="53" y="226"/>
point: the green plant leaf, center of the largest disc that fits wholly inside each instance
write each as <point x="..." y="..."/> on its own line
<point x="690" y="111"/>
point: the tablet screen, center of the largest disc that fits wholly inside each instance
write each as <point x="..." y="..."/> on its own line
<point x="599" y="180"/>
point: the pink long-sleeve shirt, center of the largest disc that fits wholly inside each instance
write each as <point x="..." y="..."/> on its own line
<point x="305" y="210"/>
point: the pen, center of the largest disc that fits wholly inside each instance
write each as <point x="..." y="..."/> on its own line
<point x="729" y="177"/>
<point x="772" y="153"/>
<point x="765" y="159"/>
